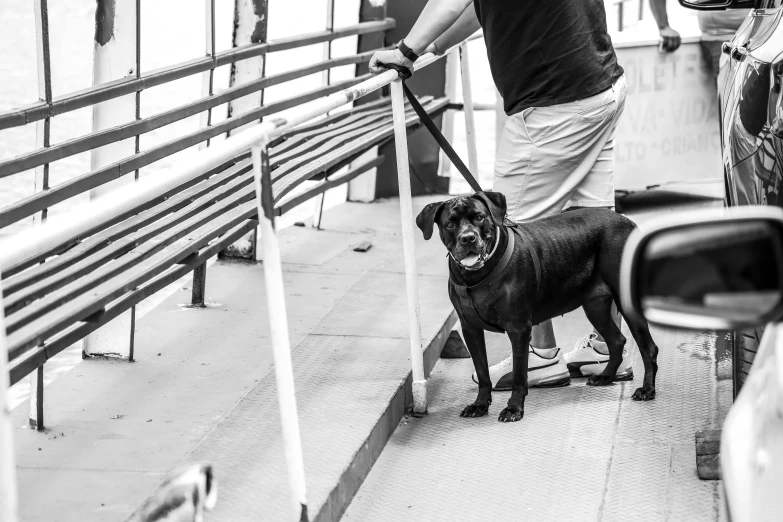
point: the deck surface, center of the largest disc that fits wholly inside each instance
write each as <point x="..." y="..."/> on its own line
<point x="580" y="453"/>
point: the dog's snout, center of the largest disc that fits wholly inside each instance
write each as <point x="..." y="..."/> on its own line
<point x="468" y="237"/>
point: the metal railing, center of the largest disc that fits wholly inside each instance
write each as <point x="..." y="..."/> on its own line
<point x="113" y="206"/>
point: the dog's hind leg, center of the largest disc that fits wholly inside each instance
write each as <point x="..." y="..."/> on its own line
<point x="649" y="352"/>
<point x="598" y="309"/>
<point x="474" y="340"/>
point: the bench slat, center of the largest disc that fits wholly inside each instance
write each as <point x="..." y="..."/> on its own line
<point x="86" y="304"/>
<point x="121" y="246"/>
<point x="25" y="364"/>
<point x="87" y="282"/>
<point x="149" y="213"/>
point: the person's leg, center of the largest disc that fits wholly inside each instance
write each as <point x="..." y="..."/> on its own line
<point x="543" y="155"/>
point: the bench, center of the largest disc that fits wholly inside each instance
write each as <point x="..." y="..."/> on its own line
<point x="56" y="296"/>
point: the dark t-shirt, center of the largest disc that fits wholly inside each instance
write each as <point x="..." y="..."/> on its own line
<point x="547" y="52"/>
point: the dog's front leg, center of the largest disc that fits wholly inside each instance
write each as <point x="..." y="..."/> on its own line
<point x="474" y="338"/>
<point x="515" y="410"/>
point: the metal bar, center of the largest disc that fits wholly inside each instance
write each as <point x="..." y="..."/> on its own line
<point x="199" y="282"/>
<point x="419" y="384"/>
<point x="42" y="136"/>
<point x="8" y="493"/>
<point x="117" y="88"/>
<point x="24" y="365"/>
<point x="318" y="206"/>
<point x="19" y="247"/>
<point x="470" y="122"/>
<point x="120" y="132"/>
<point x="278" y="326"/>
<point x="28" y="206"/>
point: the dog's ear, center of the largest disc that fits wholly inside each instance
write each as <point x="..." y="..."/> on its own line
<point x="426" y="218"/>
<point x="496" y="203"/>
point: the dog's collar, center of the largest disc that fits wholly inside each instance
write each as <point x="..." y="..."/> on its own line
<point x="494" y="248"/>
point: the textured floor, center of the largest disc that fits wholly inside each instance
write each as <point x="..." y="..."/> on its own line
<point x="580" y="453"/>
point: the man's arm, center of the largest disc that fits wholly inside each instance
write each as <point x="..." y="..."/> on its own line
<point x="670" y="39"/>
<point x="466" y="25"/>
<point x="435" y="19"/>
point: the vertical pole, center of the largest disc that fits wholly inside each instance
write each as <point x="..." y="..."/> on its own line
<point x="406" y="214"/>
<point x="278" y="326"/>
<point x="318" y="201"/>
<point x="42" y="140"/>
<point x="199" y="286"/>
<point x="470" y="122"/>
<point x="250" y="26"/>
<point x="8" y="493"/>
<point x="620" y="16"/>
<point x="452" y="67"/>
<point x="116" y="56"/>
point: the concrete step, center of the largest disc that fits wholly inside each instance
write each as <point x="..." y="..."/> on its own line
<point x="202" y="388"/>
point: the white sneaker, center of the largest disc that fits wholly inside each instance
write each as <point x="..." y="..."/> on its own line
<point x="542" y="372"/>
<point x="584" y="360"/>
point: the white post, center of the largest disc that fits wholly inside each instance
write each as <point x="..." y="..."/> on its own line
<point x="278" y="326"/>
<point x="470" y="122"/>
<point x="250" y="26"/>
<point x="114" y="58"/>
<point x="452" y="71"/>
<point x="408" y="248"/>
<point x="8" y="494"/>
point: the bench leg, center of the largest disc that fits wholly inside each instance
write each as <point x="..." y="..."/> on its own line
<point x="36" y="417"/>
<point x="199" y="286"/>
<point x="409" y="253"/>
<point x="278" y="327"/>
<point x="318" y="210"/>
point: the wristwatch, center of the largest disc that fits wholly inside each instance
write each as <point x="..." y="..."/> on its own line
<point x="407" y="52"/>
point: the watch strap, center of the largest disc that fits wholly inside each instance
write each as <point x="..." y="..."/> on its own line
<point x="407" y="52"/>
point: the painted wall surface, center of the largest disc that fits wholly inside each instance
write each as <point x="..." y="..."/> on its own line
<point x="669" y="130"/>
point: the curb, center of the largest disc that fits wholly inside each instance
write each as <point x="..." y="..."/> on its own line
<point x="357" y="470"/>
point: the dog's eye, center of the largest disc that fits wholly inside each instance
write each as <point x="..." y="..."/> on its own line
<point x="480" y="217"/>
<point x="450" y="225"/>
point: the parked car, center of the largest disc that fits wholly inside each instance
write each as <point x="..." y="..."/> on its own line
<point x="751" y="125"/>
<point x="722" y="269"/>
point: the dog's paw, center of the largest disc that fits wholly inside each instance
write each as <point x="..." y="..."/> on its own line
<point x="642" y="394"/>
<point x="600" y="380"/>
<point x="509" y="415"/>
<point x="475" y="410"/>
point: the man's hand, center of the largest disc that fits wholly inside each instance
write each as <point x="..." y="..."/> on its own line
<point x="670" y="39"/>
<point x="392" y="56"/>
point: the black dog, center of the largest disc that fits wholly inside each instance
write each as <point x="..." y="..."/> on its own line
<point x="508" y="277"/>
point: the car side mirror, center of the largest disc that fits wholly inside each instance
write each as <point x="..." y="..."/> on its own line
<point x="710" y="5"/>
<point x="716" y="269"/>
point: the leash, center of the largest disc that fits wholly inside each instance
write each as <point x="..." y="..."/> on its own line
<point x="444" y="144"/>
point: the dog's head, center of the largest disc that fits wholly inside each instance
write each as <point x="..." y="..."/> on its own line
<point x="467" y="225"/>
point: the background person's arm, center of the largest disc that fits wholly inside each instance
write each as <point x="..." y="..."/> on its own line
<point x="670" y="39"/>
<point x="466" y="25"/>
<point x="434" y="20"/>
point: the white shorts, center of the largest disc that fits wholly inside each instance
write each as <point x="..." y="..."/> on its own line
<point x="552" y="158"/>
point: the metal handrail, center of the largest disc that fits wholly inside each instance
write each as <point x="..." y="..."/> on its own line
<point x="50" y="235"/>
<point x="110" y="90"/>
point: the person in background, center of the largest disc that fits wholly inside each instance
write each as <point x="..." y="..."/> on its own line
<point x="563" y="90"/>
<point x="716" y="27"/>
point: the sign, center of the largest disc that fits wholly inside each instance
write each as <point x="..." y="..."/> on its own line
<point x="669" y="131"/>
